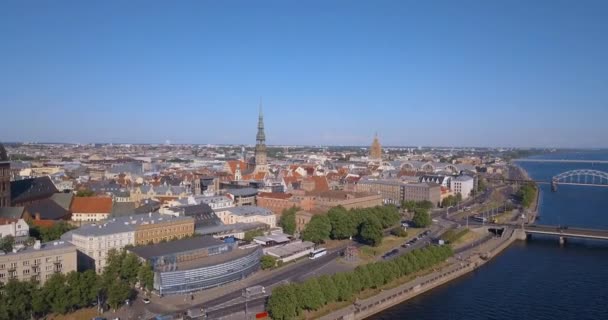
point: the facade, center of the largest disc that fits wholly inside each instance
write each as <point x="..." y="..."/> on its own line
<point x="93" y="241"/>
<point x="5" y="179"/>
<point x="194" y="264"/>
<point x="375" y="152"/>
<point x="275" y="201"/>
<point x="17" y="228"/>
<point x="91" y="209"/>
<point x="247" y="214"/>
<point x="261" y="166"/>
<point x="463" y="185"/>
<point x="243" y="196"/>
<point x="324" y="201"/>
<point x="39" y="262"/>
<point x="422" y="192"/>
<point x="389" y="190"/>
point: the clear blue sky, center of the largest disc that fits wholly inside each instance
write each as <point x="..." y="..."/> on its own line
<point x="450" y="73"/>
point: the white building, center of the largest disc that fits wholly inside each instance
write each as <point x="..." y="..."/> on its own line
<point x="247" y="214"/>
<point x="14" y="227"/>
<point x="463" y="185"/>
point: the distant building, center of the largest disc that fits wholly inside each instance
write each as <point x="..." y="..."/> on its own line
<point x="191" y="265"/>
<point x="5" y="179"/>
<point x="463" y="185"/>
<point x="302" y="219"/>
<point x="247" y="214"/>
<point x="39" y="262"/>
<point x="243" y="196"/>
<point x="395" y="191"/>
<point x="17" y="228"/>
<point x="375" y="152"/>
<point x="91" y="209"/>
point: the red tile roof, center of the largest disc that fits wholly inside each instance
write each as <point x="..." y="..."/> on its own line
<point x="91" y="205"/>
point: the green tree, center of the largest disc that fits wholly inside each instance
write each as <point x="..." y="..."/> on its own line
<point x="288" y="220"/>
<point x="344" y="288"/>
<point x="371" y="231"/>
<point x="318" y="229"/>
<point x="118" y="292"/>
<point x="421" y="219"/>
<point x="343" y="225"/>
<point x="330" y="292"/>
<point x="249" y="235"/>
<point x="129" y="268"/>
<point x="6" y="243"/>
<point x="310" y="295"/>
<point x="283" y="304"/>
<point x="85" y="193"/>
<point x="57" y="293"/>
<point x="267" y="262"/>
<point x="398" y="232"/>
<point x="145" y="276"/>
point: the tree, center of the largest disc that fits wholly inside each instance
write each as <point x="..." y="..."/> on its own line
<point x="343" y="226"/>
<point x="398" y="232"/>
<point x="310" y="295"/>
<point x="249" y="235"/>
<point x="6" y="243"/>
<point x="57" y="293"/>
<point x="371" y="231"/>
<point x="330" y="292"/>
<point x="85" y="193"/>
<point x="267" y="262"/>
<point x="145" y="276"/>
<point x="526" y="195"/>
<point x="118" y="292"/>
<point x="344" y="288"/>
<point x="448" y="201"/>
<point x="283" y="304"/>
<point x="129" y="268"/>
<point x="318" y="229"/>
<point x="421" y="219"/>
<point x="288" y="220"/>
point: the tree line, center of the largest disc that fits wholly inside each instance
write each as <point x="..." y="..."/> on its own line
<point x="526" y="195"/>
<point x="291" y="300"/>
<point x="365" y="225"/>
<point x="63" y="293"/>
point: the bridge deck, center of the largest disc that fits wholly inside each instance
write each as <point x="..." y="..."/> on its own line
<point x="562" y="160"/>
<point x="570" y="232"/>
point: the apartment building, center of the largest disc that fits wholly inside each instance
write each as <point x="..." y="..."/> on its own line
<point x="95" y="240"/>
<point x="91" y="209"/>
<point x="247" y="214"/>
<point x="39" y="262"/>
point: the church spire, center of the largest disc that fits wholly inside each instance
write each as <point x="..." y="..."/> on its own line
<point x="261" y="137"/>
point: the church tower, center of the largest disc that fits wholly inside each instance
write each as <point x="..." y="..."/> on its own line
<point x="375" y="150"/>
<point x="260" y="146"/>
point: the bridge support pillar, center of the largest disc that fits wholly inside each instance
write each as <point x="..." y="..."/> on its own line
<point x="553" y="185"/>
<point x="562" y="240"/>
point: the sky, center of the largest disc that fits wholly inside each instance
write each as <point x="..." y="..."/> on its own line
<point x="431" y="73"/>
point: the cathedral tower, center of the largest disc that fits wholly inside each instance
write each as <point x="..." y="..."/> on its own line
<point x="260" y="146"/>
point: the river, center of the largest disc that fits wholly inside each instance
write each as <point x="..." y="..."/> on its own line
<point x="536" y="279"/>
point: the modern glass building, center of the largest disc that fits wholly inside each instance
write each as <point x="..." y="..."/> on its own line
<point x="198" y="263"/>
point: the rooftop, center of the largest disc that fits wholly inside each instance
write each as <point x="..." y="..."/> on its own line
<point x="249" y="211"/>
<point x="176" y="246"/>
<point x="124" y="224"/>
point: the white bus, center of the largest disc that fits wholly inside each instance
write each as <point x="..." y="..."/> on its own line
<point x="318" y="253"/>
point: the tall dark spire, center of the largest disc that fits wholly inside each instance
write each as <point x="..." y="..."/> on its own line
<point x="260" y="137"/>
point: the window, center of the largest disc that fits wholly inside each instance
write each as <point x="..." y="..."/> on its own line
<point x="26" y="263"/>
<point x="26" y="272"/>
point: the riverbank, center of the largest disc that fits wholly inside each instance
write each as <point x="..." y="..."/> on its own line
<point x="458" y="266"/>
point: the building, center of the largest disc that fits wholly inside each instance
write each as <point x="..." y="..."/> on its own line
<point x="45" y="213"/>
<point x="323" y="201"/>
<point x="261" y="166"/>
<point x="93" y="241"/>
<point x="375" y="152"/>
<point x="5" y="179"/>
<point x="247" y="214"/>
<point x="395" y="191"/>
<point x="198" y="263"/>
<point x="276" y="202"/>
<point x="27" y="191"/>
<point x="91" y="209"/>
<point x="463" y="185"/>
<point x="290" y="251"/>
<point x="17" y="228"/>
<point x="425" y="191"/>
<point x="38" y="262"/>
<point x="243" y="196"/>
<point x="389" y="189"/>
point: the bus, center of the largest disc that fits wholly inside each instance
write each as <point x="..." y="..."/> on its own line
<point x="479" y="219"/>
<point x="318" y="253"/>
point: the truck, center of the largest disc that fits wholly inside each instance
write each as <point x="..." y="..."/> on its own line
<point x="254" y="291"/>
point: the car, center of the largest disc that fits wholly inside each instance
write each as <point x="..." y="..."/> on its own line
<point x="146" y="300"/>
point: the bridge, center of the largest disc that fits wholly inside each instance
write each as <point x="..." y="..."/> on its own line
<point x="580" y="177"/>
<point x="563" y="161"/>
<point x="566" y="232"/>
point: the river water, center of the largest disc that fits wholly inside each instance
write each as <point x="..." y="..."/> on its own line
<point x="536" y="279"/>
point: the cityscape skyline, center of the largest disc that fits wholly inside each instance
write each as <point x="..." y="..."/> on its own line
<point x="330" y="74"/>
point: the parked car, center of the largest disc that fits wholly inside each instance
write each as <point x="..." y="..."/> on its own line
<point x="146" y="300"/>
